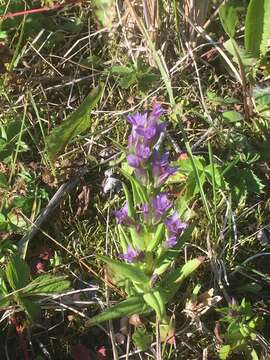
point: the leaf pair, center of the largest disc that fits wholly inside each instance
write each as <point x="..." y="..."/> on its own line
<point x="150" y="300"/>
<point x="18" y="276"/>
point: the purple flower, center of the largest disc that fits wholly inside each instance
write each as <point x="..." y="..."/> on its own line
<point x="122" y="215"/>
<point x="161" y="168"/>
<point x="143" y="151"/>
<point x="134" y="161"/>
<point x="171" y="241"/>
<point x="157" y="110"/>
<point x="174" y="225"/>
<point x="161" y="204"/>
<point x="138" y="119"/>
<point x="144" y="209"/>
<point x="130" y="255"/>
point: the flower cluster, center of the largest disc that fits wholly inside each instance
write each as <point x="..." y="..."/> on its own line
<point x="143" y="157"/>
<point x="152" y="169"/>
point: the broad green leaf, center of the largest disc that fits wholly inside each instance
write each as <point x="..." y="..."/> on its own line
<point x="246" y="58"/>
<point x="224" y="352"/>
<point x="47" y="284"/>
<point x="155" y="301"/>
<point x="229" y="18"/>
<point x="31" y="308"/>
<point x="128" y="80"/>
<point x="142" y="338"/>
<point x="128" y="271"/>
<point x="17" y="273"/>
<point x="262" y="100"/>
<point x="133" y="305"/>
<point x="75" y="124"/>
<point x="257" y="27"/>
<point x="172" y="282"/>
<point x="157" y="238"/>
<point x="232" y="116"/>
<point x="137" y="239"/>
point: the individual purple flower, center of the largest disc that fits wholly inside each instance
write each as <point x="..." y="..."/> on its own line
<point x="145" y="128"/>
<point x="145" y="210"/>
<point x="161" y="204"/>
<point x="143" y="151"/>
<point x="174" y="225"/>
<point x="138" y="119"/>
<point x="134" y="161"/>
<point x="157" y="110"/>
<point x="171" y="241"/>
<point x="161" y="168"/>
<point x="122" y="215"/>
<point x="148" y="132"/>
<point x="130" y="255"/>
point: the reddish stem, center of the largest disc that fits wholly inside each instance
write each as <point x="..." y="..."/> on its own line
<point x="39" y="10"/>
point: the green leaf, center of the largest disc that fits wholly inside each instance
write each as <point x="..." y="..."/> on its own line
<point x="4" y="301"/>
<point x="123" y="237"/>
<point x="224" y="352"/>
<point x="47" y="284"/>
<point x="31" y="308"/>
<point x="262" y="100"/>
<point x="166" y="259"/>
<point x="137" y="239"/>
<point x="105" y="11"/>
<point x="128" y="271"/>
<point x="142" y="338"/>
<point x="127" y="81"/>
<point x="139" y="191"/>
<point x="172" y="282"/>
<point x="155" y="301"/>
<point x="3" y="181"/>
<point x="129" y="200"/>
<point x="146" y="81"/>
<point x="75" y="124"/>
<point x="257" y="27"/>
<point x="229" y="18"/>
<point x="17" y="273"/>
<point x="158" y="237"/>
<point x="133" y="305"/>
<point x="232" y="116"/>
<point x="121" y="70"/>
<point x="254" y="355"/>
<point x="246" y="58"/>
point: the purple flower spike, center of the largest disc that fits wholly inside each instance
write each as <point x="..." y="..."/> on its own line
<point x="130" y="255"/>
<point x="122" y="215"/>
<point x="161" y="204"/>
<point x="174" y="225"/>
